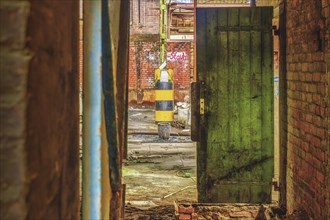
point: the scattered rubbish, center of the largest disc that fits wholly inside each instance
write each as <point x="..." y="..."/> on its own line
<point x="143" y="205"/>
<point x="178" y="124"/>
<point x="223" y="211"/>
<point x="184" y="188"/>
<point x="164" y="212"/>
<point x="132" y="156"/>
<point x="137" y="114"/>
<point x="183" y="111"/>
<point x="181" y="173"/>
<point x="138" y="139"/>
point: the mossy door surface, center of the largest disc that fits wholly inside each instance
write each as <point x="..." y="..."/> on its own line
<point x="235" y="76"/>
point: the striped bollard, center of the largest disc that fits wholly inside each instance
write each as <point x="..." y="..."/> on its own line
<point x="164" y="105"/>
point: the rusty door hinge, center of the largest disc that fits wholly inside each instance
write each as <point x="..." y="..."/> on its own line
<point x="275" y="185"/>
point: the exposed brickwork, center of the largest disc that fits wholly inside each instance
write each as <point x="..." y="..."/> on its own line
<point x="14" y="65"/>
<point x="178" y="59"/>
<point x="192" y="211"/>
<point x="143" y="51"/>
<point x="304" y="119"/>
<point x="147" y="21"/>
<point x="143" y="60"/>
<point x="144" y="55"/>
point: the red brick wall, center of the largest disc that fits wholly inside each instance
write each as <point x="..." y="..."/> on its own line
<point x="143" y="51"/>
<point x="143" y="60"/>
<point x="144" y="55"/>
<point x="148" y="23"/>
<point x="305" y="116"/>
<point x="178" y="59"/>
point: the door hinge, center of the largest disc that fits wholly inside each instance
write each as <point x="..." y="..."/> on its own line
<point x="276" y="185"/>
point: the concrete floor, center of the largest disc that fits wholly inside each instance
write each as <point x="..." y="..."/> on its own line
<point x="157" y="172"/>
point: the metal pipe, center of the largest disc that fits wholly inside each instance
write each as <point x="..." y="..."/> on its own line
<point x="139" y="11"/>
<point x="92" y="119"/>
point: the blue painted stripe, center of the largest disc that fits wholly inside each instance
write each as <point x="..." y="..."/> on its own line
<point x="92" y="110"/>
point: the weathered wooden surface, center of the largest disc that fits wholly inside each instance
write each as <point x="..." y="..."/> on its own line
<point x="235" y="61"/>
<point x="119" y="30"/>
<point x="52" y="123"/>
<point x="14" y="69"/>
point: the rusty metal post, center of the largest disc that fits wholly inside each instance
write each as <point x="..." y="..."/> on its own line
<point x="93" y="111"/>
<point x="162" y="29"/>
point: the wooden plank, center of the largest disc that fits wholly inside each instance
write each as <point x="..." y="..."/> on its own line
<point x="212" y="74"/>
<point x="232" y="192"/>
<point x="233" y="89"/>
<point x="245" y="69"/>
<point x="217" y="168"/>
<point x="201" y="68"/>
<point x="255" y="93"/>
<point x="201" y="43"/>
<point x="211" y="93"/>
<point x="244" y="17"/>
<point x="267" y="97"/>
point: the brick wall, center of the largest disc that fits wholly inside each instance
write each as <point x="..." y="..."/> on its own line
<point x="144" y="55"/>
<point x="143" y="60"/>
<point x="143" y="51"/>
<point x="178" y="59"/>
<point x="305" y="107"/>
<point x="144" y="17"/>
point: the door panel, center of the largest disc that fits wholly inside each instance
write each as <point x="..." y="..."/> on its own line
<point x="235" y="78"/>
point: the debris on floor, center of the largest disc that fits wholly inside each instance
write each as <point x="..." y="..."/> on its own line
<point x="204" y="211"/>
<point x="141" y="138"/>
<point x="187" y="210"/>
<point x="178" y="124"/>
<point x="143" y="205"/>
<point x="165" y="212"/>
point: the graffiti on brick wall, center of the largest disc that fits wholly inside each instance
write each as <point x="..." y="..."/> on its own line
<point x="176" y="56"/>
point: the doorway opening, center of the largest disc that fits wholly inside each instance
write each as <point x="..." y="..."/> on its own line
<point x="142" y="64"/>
<point x="157" y="171"/>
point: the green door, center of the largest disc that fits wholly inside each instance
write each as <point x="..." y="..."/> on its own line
<point x="235" y="82"/>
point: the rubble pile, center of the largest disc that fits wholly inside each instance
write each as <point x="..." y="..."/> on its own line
<point x="200" y="211"/>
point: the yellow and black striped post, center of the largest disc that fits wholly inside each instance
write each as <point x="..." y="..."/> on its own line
<point x="164" y="95"/>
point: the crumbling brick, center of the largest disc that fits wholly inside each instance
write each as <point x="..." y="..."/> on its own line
<point x="185" y="217"/>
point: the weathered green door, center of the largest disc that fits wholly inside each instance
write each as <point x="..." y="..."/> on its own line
<point x="235" y="81"/>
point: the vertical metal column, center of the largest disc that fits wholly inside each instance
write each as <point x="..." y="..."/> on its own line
<point x="162" y="29"/>
<point x="93" y="110"/>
